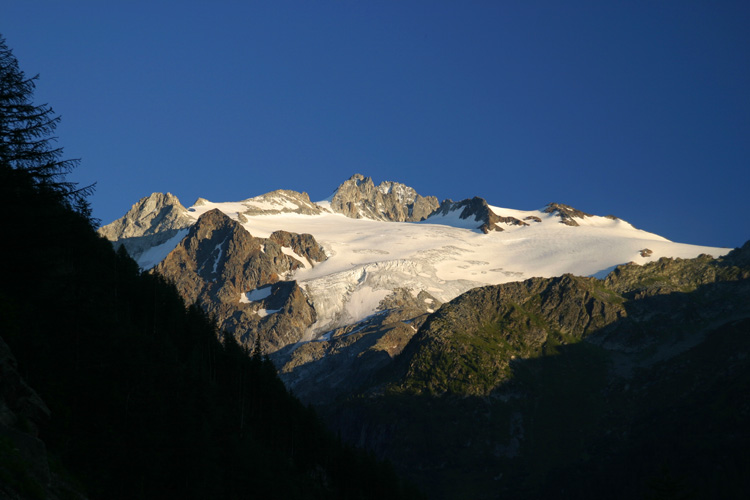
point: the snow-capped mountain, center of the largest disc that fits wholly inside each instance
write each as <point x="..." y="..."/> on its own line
<point x="378" y="241"/>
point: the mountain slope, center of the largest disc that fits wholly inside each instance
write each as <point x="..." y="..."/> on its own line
<point x="356" y="287"/>
<point x="237" y="279"/>
<point x="574" y="387"/>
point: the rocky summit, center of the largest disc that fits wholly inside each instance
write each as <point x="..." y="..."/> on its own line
<point x="238" y="279"/>
<point x="154" y="221"/>
<point x="359" y="198"/>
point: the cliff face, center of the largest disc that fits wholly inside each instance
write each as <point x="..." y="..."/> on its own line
<point x="238" y="278"/>
<point x="152" y="214"/>
<point x="359" y="198"/>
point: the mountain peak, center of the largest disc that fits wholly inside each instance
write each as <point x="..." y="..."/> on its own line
<point x="359" y="198"/>
<point x="280" y="201"/>
<point x="152" y="214"/>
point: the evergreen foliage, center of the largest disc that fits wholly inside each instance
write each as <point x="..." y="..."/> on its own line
<point x="147" y="399"/>
<point x="27" y="135"/>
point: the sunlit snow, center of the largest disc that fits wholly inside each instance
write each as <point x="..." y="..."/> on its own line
<point x="446" y="255"/>
<point x="291" y="253"/>
<point x="154" y="255"/>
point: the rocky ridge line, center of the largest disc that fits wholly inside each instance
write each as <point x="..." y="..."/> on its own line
<point x="281" y="201"/>
<point x="358" y="198"/>
<point x="568" y="214"/>
<point x="479" y="209"/>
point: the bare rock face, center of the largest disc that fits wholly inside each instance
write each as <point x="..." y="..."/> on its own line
<point x="567" y="213"/>
<point x="225" y="269"/>
<point x="152" y="221"/>
<point x="477" y="207"/>
<point x="302" y="244"/>
<point x="273" y="321"/>
<point x="153" y="214"/>
<point x="359" y="198"/>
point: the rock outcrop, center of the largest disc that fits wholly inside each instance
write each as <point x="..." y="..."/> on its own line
<point x="566" y="213"/>
<point x="302" y="244"/>
<point x="479" y="210"/>
<point x="151" y="222"/>
<point x="219" y="265"/>
<point x="358" y="198"/>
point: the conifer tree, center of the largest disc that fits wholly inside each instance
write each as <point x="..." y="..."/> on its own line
<point x="26" y="136"/>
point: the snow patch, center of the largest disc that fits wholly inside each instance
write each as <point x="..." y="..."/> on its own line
<point x="256" y="295"/>
<point x="302" y="260"/>
<point x="219" y="253"/>
<point x="154" y="255"/>
<point x="265" y="312"/>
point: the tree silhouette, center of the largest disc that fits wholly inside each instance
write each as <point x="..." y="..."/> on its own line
<point x="27" y="136"/>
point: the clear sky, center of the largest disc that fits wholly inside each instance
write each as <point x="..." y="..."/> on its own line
<point x="639" y="109"/>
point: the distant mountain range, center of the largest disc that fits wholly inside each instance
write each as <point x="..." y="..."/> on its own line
<point x="468" y="343"/>
<point x="360" y="249"/>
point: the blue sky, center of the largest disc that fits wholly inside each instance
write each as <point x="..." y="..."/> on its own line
<point x="639" y="109"/>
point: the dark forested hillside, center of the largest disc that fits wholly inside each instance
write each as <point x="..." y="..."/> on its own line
<point x="144" y="399"/>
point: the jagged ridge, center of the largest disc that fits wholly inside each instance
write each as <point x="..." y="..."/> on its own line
<point x="358" y="197"/>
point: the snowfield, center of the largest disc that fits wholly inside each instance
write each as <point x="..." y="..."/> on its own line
<point x="444" y="255"/>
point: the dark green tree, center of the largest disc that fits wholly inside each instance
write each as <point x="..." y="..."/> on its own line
<point x="27" y="140"/>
